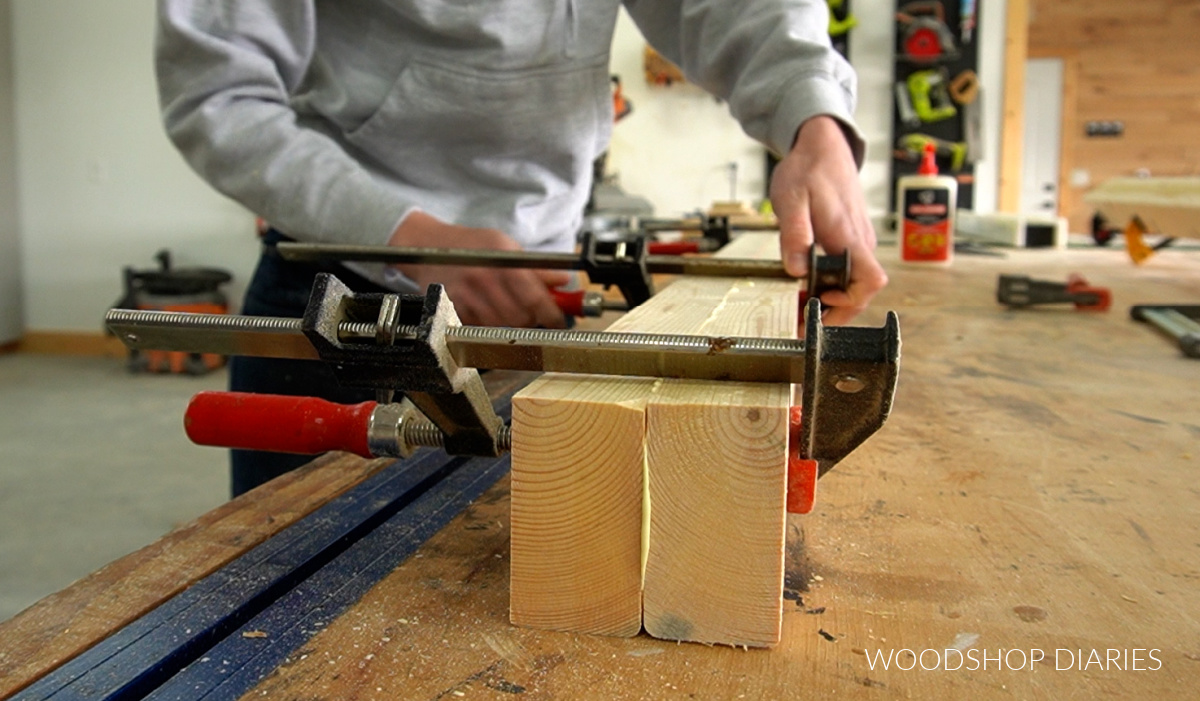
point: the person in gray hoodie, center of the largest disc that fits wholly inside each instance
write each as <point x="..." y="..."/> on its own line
<point x="474" y="124"/>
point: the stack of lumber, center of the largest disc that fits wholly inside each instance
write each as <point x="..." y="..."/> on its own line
<point x="1167" y="205"/>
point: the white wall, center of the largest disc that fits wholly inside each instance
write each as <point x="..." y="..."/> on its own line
<point x="674" y="148"/>
<point x="10" y="240"/>
<point x="993" y="17"/>
<point x="100" y="185"/>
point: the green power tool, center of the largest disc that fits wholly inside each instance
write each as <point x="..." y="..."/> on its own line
<point x="840" y="22"/>
<point x="930" y="96"/>
<point x="911" y="146"/>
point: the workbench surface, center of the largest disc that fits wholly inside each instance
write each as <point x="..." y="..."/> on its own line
<point x="1033" y="490"/>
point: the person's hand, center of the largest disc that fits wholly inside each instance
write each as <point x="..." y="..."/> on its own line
<point x="482" y="296"/>
<point x="816" y="194"/>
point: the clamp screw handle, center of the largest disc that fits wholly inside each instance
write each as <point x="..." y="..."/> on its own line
<point x="277" y="423"/>
<point x="308" y="425"/>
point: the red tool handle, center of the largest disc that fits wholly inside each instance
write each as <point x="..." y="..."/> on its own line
<point x="277" y="423"/>
<point x="672" y="248"/>
<point x="571" y="303"/>
<point x="1099" y="298"/>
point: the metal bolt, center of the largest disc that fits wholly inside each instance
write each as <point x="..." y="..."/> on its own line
<point x="424" y="434"/>
<point x="849" y="384"/>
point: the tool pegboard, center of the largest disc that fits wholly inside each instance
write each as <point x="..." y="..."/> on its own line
<point x="936" y="94"/>
<point x="841" y="21"/>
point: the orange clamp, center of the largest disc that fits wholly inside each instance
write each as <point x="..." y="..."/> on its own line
<point x="801" y="472"/>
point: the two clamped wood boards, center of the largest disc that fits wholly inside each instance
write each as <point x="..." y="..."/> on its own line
<point x="659" y="504"/>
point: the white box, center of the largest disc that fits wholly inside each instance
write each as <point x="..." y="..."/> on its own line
<point x="1012" y="230"/>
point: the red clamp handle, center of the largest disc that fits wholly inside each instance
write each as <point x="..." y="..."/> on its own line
<point x="307" y="425"/>
<point x="277" y="423"/>
<point x="801" y="473"/>
<point x="1100" y="298"/>
<point x="672" y="248"/>
<point x="571" y="303"/>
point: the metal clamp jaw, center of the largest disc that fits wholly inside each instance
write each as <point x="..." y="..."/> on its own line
<point x="620" y="262"/>
<point x="717" y="229"/>
<point x="420" y="366"/>
<point x="850" y="376"/>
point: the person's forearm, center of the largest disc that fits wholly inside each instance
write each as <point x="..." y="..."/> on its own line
<point x="225" y="72"/>
<point x="770" y="59"/>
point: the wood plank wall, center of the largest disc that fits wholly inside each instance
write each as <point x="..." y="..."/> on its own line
<point x="1138" y="62"/>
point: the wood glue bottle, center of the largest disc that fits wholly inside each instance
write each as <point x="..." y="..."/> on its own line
<point x="926" y="202"/>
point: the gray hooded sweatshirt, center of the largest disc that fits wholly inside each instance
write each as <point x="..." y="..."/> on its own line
<point x="333" y="119"/>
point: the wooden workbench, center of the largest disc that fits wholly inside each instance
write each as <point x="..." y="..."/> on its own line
<point x="1034" y="489"/>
